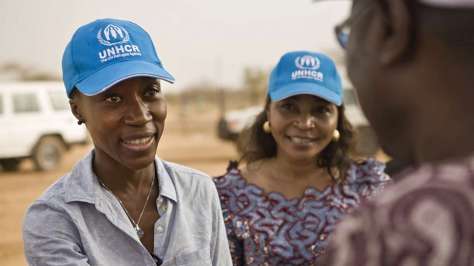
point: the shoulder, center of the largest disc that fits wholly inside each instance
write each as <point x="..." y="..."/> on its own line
<point x="49" y="208"/>
<point x="443" y="183"/>
<point x="55" y="194"/>
<point x="231" y="180"/>
<point x="367" y="171"/>
<point x="181" y="170"/>
<point x="367" y="178"/>
<point x="188" y="179"/>
<point x="434" y="206"/>
<point x="431" y="191"/>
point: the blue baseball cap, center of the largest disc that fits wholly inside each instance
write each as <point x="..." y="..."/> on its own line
<point x="303" y="72"/>
<point x="107" y="51"/>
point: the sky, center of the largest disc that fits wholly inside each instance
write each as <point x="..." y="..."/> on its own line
<point x="197" y="40"/>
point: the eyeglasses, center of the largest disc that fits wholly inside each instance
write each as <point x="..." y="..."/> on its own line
<point x="343" y="29"/>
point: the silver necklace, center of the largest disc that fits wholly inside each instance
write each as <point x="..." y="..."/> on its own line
<point x="136" y="225"/>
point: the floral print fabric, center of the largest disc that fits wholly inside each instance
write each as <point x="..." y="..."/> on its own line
<point x="269" y="229"/>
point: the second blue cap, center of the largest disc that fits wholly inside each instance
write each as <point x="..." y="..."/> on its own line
<point x="304" y="72"/>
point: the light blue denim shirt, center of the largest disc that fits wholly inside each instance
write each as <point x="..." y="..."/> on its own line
<point x="77" y="222"/>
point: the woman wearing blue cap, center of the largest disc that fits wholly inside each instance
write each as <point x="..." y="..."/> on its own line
<point x="299" y="179"/>
<point x="122" y="205"/>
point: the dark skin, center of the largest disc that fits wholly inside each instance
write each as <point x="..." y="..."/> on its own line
<point x="126" y="123"/>
<point x="302" y="127"/>
<point x="415" y="93"/>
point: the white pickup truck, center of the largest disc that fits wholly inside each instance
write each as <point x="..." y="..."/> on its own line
<point x="36" y="123"/>
<point x="234" y="122"/>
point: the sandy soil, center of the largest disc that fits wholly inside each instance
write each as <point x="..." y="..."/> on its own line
<point x="193" y="143"/>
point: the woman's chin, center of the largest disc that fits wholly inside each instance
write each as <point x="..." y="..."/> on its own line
<point x="139" y="163"/>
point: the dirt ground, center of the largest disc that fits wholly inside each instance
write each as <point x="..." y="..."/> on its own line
<point x="188" y="139"/>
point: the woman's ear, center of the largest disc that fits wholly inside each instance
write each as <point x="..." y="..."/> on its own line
<point x="75" y="107"/>
<point x="267" y="112"/>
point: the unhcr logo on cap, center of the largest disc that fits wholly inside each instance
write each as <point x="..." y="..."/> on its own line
<point x="116" y="38"/>
<point x="307" y="66"/>
<point x="307" y="62"/>
<point x="113" y="35"/>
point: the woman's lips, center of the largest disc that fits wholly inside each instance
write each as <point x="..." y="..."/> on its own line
<point x="301" y="140"/>
<point x="138" y="144"/>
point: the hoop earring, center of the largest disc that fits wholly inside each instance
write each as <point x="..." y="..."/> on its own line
<point x="336" y="135"/>
<point x="266" y="127"/>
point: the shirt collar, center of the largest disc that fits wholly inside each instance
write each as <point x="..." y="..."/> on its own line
<point x="81" y="183"/>
<point x="167" y="187"/>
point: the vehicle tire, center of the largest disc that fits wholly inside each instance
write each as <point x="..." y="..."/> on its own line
<point x="10" y="165"/>
<point x="223" y="131"/>
<point x="242" y="141"/>
<point x="48" y="153"/>
<point x="366" y="144"/>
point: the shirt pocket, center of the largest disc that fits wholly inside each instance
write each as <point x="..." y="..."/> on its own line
<point x="200" y="257"/>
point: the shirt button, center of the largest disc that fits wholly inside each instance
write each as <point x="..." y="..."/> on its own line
<point x="159" y="229"/>
<point x="163" y="208"/>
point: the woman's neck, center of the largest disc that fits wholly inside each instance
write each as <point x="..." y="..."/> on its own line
<point x="294" y="169"/>
<point x="119" y="178"/>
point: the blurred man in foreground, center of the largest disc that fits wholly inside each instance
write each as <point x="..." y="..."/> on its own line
<point x="413" y="65"/>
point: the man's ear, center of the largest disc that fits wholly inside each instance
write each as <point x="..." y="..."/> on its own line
<point x="396" y="30"/>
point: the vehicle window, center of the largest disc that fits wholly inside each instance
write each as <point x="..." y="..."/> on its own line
<point x="25" y="103"/>
<point x="58" y="100"/>
<point x="1" y="104"/>
<point x="350" y="97"/>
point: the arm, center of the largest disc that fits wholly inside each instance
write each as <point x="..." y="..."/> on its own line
<point x="370" y="178"/>
<point x="50" y="238"/>
<point x="220" y="253"/>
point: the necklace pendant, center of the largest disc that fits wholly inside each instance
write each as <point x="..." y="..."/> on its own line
<point x="140" y="232"/>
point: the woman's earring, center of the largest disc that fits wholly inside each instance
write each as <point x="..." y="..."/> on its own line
<point x="336" y="135"/>
<point x="266" y="127"/>
<point x="80" y="122"/>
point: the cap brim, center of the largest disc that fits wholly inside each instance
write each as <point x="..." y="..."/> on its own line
<point x="293" y="89"/>
<point x="113" y="74"/>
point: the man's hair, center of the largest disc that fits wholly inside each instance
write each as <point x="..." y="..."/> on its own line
<point x="453" y="26"/>
<point x="258" y="145"/>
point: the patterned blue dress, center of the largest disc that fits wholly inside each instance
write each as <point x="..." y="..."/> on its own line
<point x="269" y="229"/>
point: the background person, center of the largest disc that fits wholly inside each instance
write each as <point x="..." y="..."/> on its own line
<point x="121" y="205"/>
<point x="299" y="180"/>
<point x="412" y="64"/>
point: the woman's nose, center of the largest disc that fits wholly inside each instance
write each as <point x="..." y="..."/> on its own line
<point x="306" y="122"/>
<point x="138" y="113"/>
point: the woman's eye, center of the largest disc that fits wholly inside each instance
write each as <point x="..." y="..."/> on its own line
<point x="324" y="110"/>
<point x="152" y="92"/>
<point x="287" y="107"/>
<point x="153" y="89"/>
<point x="113" y="99"/>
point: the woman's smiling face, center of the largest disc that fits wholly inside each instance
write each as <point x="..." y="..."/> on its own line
<point x="302" y="126"/>
<point x="125" y="122"/>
